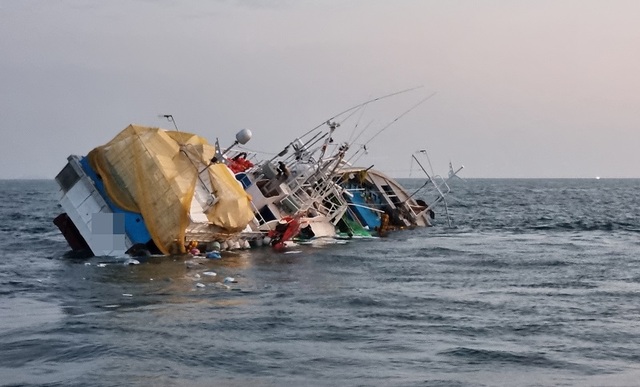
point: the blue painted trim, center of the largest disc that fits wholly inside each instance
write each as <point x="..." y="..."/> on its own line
<point x="134" y="225"/>
<point x="365" y="215"/>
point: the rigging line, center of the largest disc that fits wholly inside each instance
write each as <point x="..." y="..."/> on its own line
<point x="362" y="132"/>
<point x="394" y="121"/>
<point x="363" y="104"/>
<point x="255" y="151"/>
<point x="363" y="146"/>
<point x="357" y="123"/>
<point x="426" y="154"/>
<point x="350" y="115"/>
<point x="411" y="168"/>
<point x="400" y="116"/>
<point x="429" y="160"/>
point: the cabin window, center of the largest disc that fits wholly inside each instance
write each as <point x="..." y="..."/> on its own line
<point x="266" y="215"/>
<point x="67" y="178"/>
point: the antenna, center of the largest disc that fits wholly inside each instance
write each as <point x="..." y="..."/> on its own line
<point x="170" y="118"/>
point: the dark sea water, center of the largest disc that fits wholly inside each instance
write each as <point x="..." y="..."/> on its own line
<point x="537" y="283"/>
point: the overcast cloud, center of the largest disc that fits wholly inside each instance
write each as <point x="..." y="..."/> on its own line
<point x="523" y="88"/>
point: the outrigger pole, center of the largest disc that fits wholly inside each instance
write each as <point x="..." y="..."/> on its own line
<point x="360" y="105"/>
<point x="392" y="122"/>
<point x="328" y="121"/>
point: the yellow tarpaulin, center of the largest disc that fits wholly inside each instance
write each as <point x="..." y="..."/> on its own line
<point x="154" y="171"/>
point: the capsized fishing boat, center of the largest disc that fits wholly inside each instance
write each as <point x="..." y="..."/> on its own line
<point x="152" y="190"/>
<point x="149" y="190"/>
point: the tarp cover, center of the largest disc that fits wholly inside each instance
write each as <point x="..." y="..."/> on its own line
<point x="154" y="172"/>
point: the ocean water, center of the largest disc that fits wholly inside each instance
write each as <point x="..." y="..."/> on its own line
<point x="536" y="283"/>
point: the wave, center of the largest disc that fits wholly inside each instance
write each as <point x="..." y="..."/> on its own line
<point x="546" y="226"/>
<point x="478" y="356"/>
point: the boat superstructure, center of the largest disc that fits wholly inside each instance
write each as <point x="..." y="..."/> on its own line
<point x="297" y="184"/>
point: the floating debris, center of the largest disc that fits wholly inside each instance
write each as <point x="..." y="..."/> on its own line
<point x="192" y="263"/>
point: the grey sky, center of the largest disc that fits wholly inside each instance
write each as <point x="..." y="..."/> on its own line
<point x="524" y="88"/>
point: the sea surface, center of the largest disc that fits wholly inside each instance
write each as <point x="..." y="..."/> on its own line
<point x="536" y="283"/>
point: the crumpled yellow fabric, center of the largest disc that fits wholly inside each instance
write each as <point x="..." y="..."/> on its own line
<point x="154" y="172"/>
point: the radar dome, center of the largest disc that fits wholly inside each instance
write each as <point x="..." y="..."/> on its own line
<point x="243" y="136"/>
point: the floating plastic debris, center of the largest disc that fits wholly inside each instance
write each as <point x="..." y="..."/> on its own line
<point x="191" y="264"/>
<point x="293" y="252"/>
<point x="200" y="285"/>
<point x="230" y="280"/>
<point x="197" y="276"/>
<point x="213" y="255"/>
<point x="87" y="263"/>
<point x="210" y="273"/>
<point x="127" y="295"/>
<point x="213" y="246"/>
<point x="131" y="261"/>
<point x="102" y="265"/>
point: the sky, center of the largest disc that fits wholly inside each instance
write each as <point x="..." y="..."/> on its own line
<point x="520" y="88"/>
